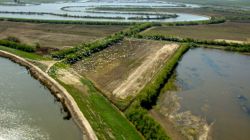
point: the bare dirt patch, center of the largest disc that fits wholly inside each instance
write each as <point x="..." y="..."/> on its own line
<point x="68" y="77"/>
<point x="55" y="35"/>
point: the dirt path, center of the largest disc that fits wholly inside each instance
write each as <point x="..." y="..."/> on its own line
<point x="49" y="64"/>
<point x="143" y="74"/>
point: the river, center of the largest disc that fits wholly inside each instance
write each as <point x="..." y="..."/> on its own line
<point x="28" y="111"/>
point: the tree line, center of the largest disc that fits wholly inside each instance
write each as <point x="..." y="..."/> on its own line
<point x="15" y="44"/>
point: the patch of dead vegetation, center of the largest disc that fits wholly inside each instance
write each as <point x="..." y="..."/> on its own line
<point x="121" y="70"/>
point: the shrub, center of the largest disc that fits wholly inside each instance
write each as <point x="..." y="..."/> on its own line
<point x="13" y="39"/>
<point x="18" y="46"/>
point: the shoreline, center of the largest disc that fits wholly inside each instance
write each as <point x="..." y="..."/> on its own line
<point x="58" y="91"/>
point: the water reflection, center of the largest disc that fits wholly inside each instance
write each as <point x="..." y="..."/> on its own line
<point x="28" y="111"/>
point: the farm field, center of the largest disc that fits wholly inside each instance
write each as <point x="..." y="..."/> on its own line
<point x="233" y="31"/>
<point x="125" y="67"/>
<point x="55" y="35"/>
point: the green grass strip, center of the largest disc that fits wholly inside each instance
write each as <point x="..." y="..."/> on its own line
<point x="106" y="120"/>
<point x="23" y="54"/>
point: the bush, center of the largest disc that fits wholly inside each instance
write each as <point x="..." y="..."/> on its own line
<point x="18" y="46"/>
<point x="13" y="39"/>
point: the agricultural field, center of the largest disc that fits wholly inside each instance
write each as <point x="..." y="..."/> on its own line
<point x="231" y="31"/>
<point x="55" y="36"/>
<point x="126" y="66"/>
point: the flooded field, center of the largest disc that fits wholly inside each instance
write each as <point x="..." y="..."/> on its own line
<point x="28" y="111"/>
<point x="87" y="10"/>
<point x="213" y="95"/>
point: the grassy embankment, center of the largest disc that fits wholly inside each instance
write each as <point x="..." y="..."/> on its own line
<point x="23" y="54"/>
<point x="106" y="120"/>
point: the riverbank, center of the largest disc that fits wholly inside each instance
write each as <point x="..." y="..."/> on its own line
<point x="57" y="90"/>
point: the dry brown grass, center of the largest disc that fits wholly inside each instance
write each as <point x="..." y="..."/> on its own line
<point x="55" y="35"/>
<point x="113" y="66"/>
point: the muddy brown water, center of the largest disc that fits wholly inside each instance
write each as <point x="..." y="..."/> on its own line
<point x="28" y="111"/>
<point x="215" y="85"/>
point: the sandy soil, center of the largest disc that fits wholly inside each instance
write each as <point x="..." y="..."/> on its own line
<point x="143" y="74"/>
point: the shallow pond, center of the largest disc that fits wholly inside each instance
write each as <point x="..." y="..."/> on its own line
<point x="28" y="111"/>
<point x="55" y="11"/>
<point x="215" y="85"/>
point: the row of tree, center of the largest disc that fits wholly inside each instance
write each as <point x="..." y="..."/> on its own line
<point x="17" y="45"/>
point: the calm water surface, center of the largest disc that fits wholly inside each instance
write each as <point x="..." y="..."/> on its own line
<point x="28" y="111"/>
<point x="216" y="85"/>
